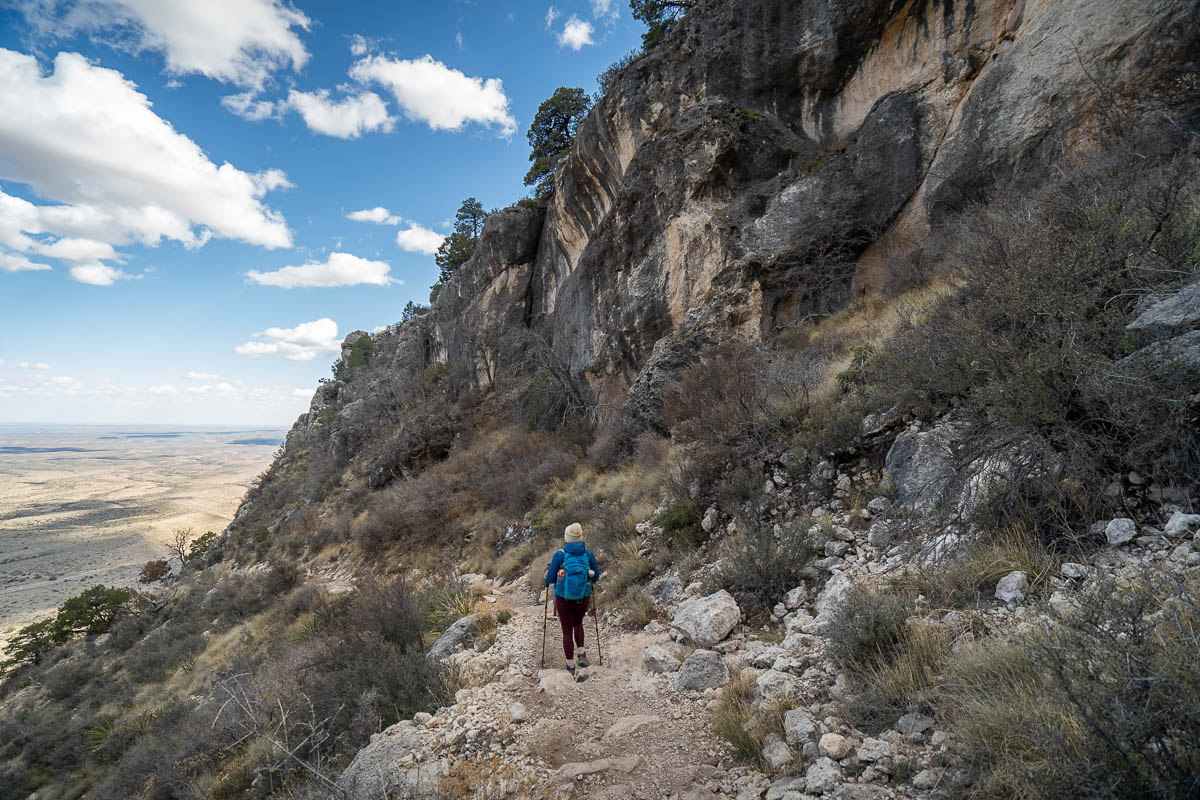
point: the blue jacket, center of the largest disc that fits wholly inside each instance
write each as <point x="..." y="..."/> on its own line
<point x="556" y="564"/>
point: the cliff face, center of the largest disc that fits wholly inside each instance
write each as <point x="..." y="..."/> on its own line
<point x="771" y="160"/>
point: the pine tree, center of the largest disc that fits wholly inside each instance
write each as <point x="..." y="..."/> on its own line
<point x="551" y="134"/>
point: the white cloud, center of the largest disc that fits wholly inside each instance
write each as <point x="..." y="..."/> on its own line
<point x="605" y="10"/>
<point x="419" y="239"/>
<point x="304" y="393"/>
<point x="235" y="41"/>
<point x="165" y="389"/>
<point x="202" y="376"/>
<point x="552" y="14"/>
<point x="84" y="138"/>
<point x="377" y="214"/>
<point x="361" y="45"/>
<point x="445" y="99"/>
<point x="458" y="40"/>
<point x="12" y="262"/>
<point x="345" y="119"/>
<point x="99" y="274"/>
<point x="247" y="106"/>
<point x="61" y="379"/>
<point x="38" y="365"/>
<point x="301" y="343"/>
<point x="576" y="33"/>
<point x="340" y="269"/>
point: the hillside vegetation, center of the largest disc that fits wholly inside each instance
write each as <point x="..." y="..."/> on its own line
<point x="918" y="499"/>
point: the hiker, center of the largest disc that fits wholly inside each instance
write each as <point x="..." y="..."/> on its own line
<point x="573" y="570"/>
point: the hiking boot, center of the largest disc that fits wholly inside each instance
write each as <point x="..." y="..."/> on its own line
<point x="571" y="669"/>
<point x="582" y="658"/>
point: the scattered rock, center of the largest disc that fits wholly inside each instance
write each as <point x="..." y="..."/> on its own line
<point x="518" y="713"/>
<point x="568" y="773"/>
<point x="927" y="778"/>
<point x="711" y="521"/>
<point x="1012" y="587"/>
<point x="774" y="684"/>
<point x="657" y="659"/>
<point x="822" y="776"/>
<point x="1072" y="570"/>
<point x="709" y="619"/>
<point x="798" y="726"/>
<point x="1120" y="531"/>
<point x="627" y="726"/>
<point x="1180" y="310"/>
<point x="702" y="670"/>
<point x="775" y="752"/>
<point x="795" y="597"/>
<point x="872" y="750"/>
<point x="1181" y="523"/>
<point x="790" y="788"/>
<point x="835" y="746"/>
<point x="914" y="723"/>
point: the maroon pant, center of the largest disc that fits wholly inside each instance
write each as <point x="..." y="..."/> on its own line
<point x="571" y="614"/>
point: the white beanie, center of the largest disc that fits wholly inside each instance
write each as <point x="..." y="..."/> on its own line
<point x="574" y="532"/>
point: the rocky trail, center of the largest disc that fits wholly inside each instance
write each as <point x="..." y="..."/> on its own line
<point x="524" y="730"/>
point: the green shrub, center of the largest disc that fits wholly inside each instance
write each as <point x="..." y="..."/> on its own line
<point x="761" y="568"/>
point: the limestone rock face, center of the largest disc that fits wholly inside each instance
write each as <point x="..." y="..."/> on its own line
<point x="767" y="161"/>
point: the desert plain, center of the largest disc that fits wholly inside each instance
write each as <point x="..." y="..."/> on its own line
<point x="82" y="505"/>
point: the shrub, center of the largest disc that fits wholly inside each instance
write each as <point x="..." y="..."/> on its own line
<point x="448" y="603"/>
<point x="154" y="571"/>
<point x="1104" y="704"/>
<point x="761" y="568"/>
<point x="1029" y="349"/>
<point x="869" y="628"/>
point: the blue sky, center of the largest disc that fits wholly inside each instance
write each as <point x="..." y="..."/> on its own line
<point x="163" y="163"/>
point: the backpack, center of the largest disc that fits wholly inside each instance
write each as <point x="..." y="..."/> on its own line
<point x="573" y="577"/>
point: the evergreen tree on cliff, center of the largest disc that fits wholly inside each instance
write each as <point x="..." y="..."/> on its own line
<point x="551" y="134"/>
<point x="659" y="16"/>
<point x="460" y="244"/>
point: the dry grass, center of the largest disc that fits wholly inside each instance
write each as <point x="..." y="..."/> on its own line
<point x="734" y="720"/>
<point x="966" y="583"/>
<point x="640" y="608"/>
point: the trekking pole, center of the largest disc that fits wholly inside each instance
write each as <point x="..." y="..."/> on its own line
<point x="545" y="620"/>
<point x="596" y="617"/>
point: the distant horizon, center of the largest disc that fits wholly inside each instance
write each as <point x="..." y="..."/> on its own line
<point x="238" y="425"/>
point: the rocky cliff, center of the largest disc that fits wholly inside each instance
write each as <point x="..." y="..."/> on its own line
<point x="770" y="161"/>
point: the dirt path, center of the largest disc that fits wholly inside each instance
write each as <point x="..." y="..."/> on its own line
<point x="622" y="732"/>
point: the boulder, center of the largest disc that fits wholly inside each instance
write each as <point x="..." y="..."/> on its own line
<point x="518" y="713"/>
<point x="822" y="776"/>
<point x="1012" y="587"/>
<point x="703" y="669"/>
<point x="927" y="779"/>
<point x="709" y="619"/>
<point x="399" y="762"/>
<point x="1176" y="313"/>
<point x="1120" y="531"/>
<point x="920" y="467"/>
<point x="798" y="727"/>
<point x="459" y="635"/>
<point x="665" y="588"/>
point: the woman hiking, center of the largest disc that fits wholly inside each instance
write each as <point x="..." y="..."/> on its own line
<point x="573" y="570"/>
